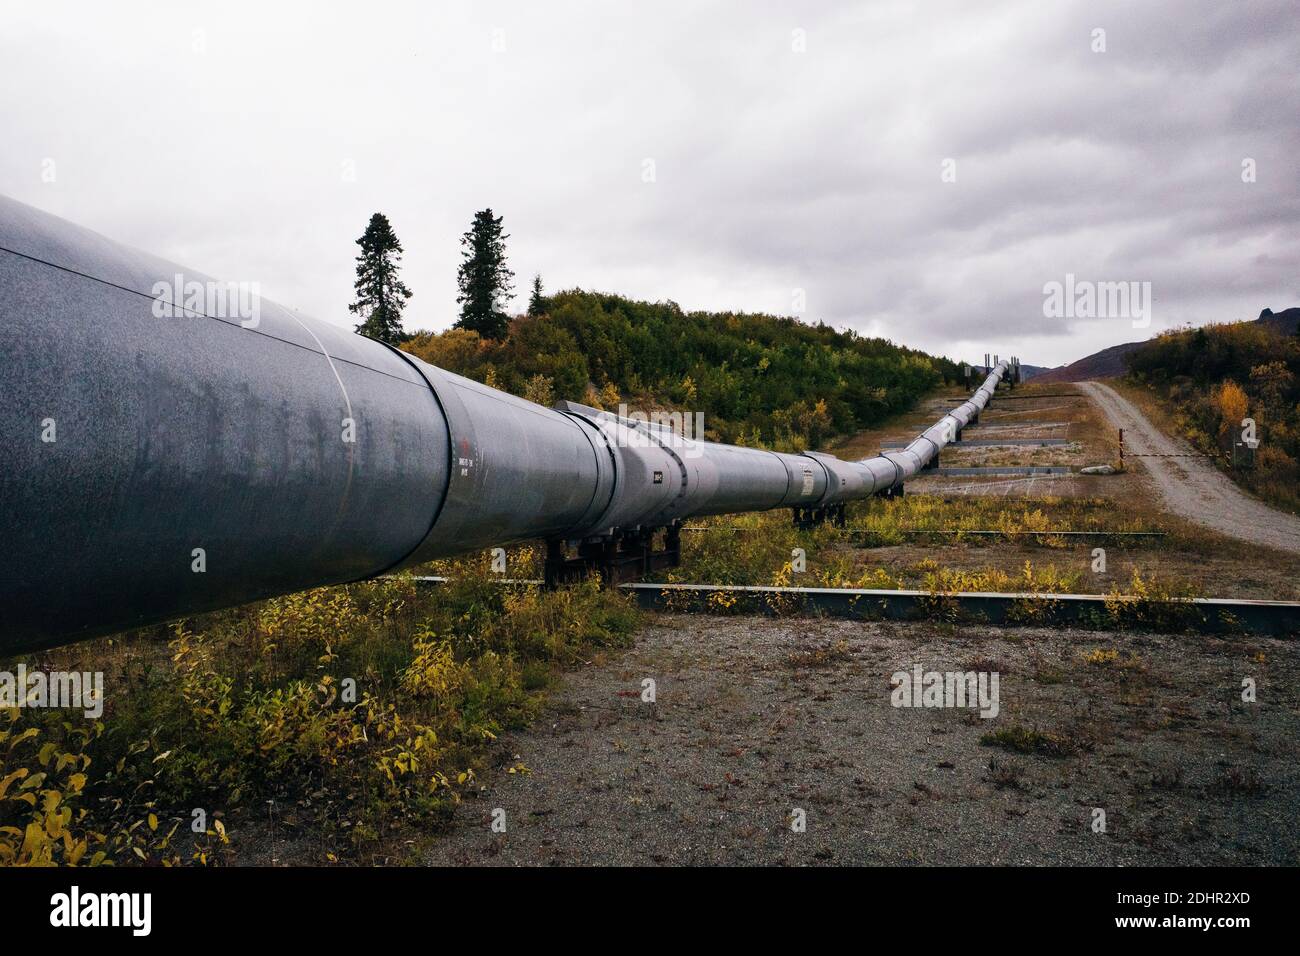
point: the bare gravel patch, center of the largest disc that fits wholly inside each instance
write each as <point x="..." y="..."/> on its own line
<point x="755" y="718"/>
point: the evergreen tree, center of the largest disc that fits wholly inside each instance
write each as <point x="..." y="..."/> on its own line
<point x="380" y="293"/>
<point x="536" y="305"/>
<point x="484" y="279"/>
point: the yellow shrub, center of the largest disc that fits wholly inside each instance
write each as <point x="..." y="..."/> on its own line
<point x="309" y="618"/>
<point x="41" y="783"/>
<point x="1230" y="402"/>
<point x="1099" y="657"/>
<point x="434" y="673"/>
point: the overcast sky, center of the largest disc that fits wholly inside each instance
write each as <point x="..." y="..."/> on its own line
<point x="790" y="146"/>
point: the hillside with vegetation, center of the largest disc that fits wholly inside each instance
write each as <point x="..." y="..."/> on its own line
<point x="758" y="379"/>
<point x="1113" y="362"/>
<point x="1212" y="378"/>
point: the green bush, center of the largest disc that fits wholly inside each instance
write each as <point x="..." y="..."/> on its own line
<point x="760" y="379"/>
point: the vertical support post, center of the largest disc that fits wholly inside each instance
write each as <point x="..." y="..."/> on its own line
<point x="673" y="543"/>
<point x="632" y="545"/>
<point x="609" y="563"/>
<point x="554" y="564"/>
<point x="1121" y="449"/>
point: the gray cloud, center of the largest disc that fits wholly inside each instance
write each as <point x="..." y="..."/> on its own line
<point x="217" y="134"/>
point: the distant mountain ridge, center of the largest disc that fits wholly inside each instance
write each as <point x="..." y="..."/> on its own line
<point x="1032" y="371"/>
<point x="1285" y="322"/>
<point x="1109" y="363"/>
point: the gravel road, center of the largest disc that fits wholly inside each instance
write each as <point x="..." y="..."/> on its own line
<point x="1191" y="486"/>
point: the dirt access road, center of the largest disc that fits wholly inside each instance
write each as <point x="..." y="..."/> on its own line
<point x="1190" y="485"/>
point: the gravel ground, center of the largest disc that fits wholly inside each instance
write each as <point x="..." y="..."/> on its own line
<point x="1191" y="486"/>
<point x="757" y="717"/>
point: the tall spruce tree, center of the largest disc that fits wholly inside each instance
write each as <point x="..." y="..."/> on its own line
<point x="484" y="279"/>
<point x="536" y="304"/>
<point x="380" y="293"/>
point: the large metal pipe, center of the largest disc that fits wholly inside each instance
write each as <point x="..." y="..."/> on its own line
<point x="167" y="459"/>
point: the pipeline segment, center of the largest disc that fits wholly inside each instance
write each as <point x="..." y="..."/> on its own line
<point x="165" y="465"/>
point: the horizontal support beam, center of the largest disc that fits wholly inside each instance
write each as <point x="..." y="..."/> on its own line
<point x="732" y="529"/>
<point x="987" y="442"/>
<point x="1035" y="534"/>
<point x="1094" y="611"/>
<point x="1005" y="609"/>
<point x="1016" y="426"/>
<point x="1007" y="470"/>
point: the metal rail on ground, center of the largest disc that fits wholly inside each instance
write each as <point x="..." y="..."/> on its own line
<point x="992" y="470"/>
<point x="1096" y="533"/>
<point x="988" y="442"/>
<point x="1099" y="611"/>
<point x="1004" y="609"/>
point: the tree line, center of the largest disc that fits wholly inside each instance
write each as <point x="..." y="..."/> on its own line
<point x="760" y="379"/>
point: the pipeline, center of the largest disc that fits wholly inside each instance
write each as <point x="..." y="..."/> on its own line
<point x="167" y="454"/>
